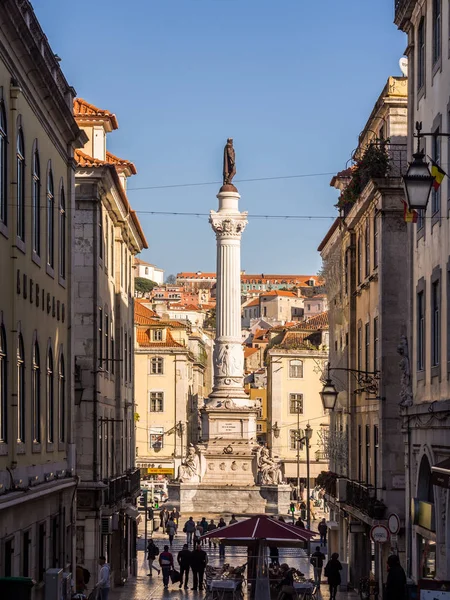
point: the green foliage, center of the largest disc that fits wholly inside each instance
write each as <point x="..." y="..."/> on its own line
<point x="210" y="321"/>
<point x="144" y="285"/>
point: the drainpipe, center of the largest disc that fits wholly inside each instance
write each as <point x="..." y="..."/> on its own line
<point x="15" y="91"/>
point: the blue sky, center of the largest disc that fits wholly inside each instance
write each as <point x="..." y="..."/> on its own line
<point x="292" y="82"/>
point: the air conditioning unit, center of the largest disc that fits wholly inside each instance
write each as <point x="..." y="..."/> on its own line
<point x="341" y="490"/>
<point x="106" y="525"/>
<point x="53" y="584"/>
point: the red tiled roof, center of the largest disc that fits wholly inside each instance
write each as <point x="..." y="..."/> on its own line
<point x="345" y="174"/>
<point x="143" y="339"/>
<point x="319" y="321"/>
<point x="254" y="302"/>
<point x="83" y="110"/>
<point x="120" y="163"/>
<point x="142" y="314"/>
<point x="250" y="351"/>
<point x="263" y="277"/>
<point x="280" y="293"/>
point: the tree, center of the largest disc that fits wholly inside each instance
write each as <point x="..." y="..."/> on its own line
<point x="143" y="285"/>
<point x="171" y="279"/>
<point x="210" y="321"/>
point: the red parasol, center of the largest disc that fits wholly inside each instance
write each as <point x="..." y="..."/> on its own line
<point x="261" y="528"/>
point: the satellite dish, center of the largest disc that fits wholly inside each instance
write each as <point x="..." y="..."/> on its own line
<point x="403" y="62"/>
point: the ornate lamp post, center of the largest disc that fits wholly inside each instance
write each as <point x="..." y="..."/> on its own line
<point x="308" y="435"/>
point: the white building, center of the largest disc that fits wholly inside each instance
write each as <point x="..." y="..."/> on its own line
<point x="148" y="271"/>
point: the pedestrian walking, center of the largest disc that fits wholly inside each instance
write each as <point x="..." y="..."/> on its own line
<point x="232" y="520"/>
<point x="333" y="574"/>
<point x="198" y="533"/>
<point x="184" y="560"/>
<point x="176" y="516"/>
<point x="396" y="580"/>
<point x="189" y="530"/>
<point x="152" y="554"/>
<point x="199" y="560"/>
<point x="323" y="530"/>
<point x="103" y="584"/>
<point x="204" y="524"/>
<point x="212" y="527"/>
<point x="163" y="517"/>
<point x="299" y="523"/>
<point x="171" y="530"/>
<point x="166" y="563"/>
<point x="221" y="523"/>
<point x="221" y="549"/>
<point x="312" y="510"/>
<point x="317" y="559"/>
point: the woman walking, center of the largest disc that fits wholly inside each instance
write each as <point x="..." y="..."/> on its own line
<point x="171" y="530"/>
<point x="396" y="580"/>
<point x="333" y="574"/>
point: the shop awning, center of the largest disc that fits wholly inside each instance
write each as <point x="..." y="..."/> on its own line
<point x="440" y="474"/>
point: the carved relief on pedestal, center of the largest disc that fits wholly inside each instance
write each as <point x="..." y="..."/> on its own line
<point x="222" y="466"/>
<point x="234" y="466"/>
<point x="228" y="360"/>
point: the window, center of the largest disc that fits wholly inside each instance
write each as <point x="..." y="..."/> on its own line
<point x="295" y="369"/>
<point x="112" y="251"/>
<point x="41" y="555"/>
<point x="26" y="545"/>
<point x="360" y="465"/>
<point x="359" y="348"/>
<point x="106" y="342"/>
<point x="36" y="200"/>
<point x="36" y="392"/>
<point x="3" y="167"/>
<point x="265" y="311"/>
<point x="3" y="387"/>
<point x="50" y="399"/>
<point x="50" y="221"/>
<point x="367" y="346"/>
<point x="62" y="234"/>
<point x="346" y="273"/>
<point x="21" y="424"/>
<point x="121" y="268"/>
<point x="296" y="404"/>
<point x="156" y="401"/>
<point x="375" y="344"/>
<point x="435" y="323"/>
<point x="421" y="54"/>
<point x="106" y="245"/>
<point x="436" y="155"/>
<point x="156" y="438"/>
<point x="113" y="362"/>
<point x="359" y="249"/>
<point x="156" y="365"/>
<point x="367" y="471"/>
<point x="125" y="355"/>
<point x="100" y="234"/>
<point x="259" y="428"/>
<point x="293" y="437"/>
<point x="157" y="335"/>
<point x="375" y="241"/>
<point x="146" y="270"/>
<point x="9" y="557"/>
<point x="130" y="358"/>
<point x="62" y="399"/>
<point x="436" y="30"/>
<point x="367" y="250"/>
<point x="100" y="338"/>
<point x="20" y="158"/>
<point x="420" y="331"/>
<point x="375" y="456"/>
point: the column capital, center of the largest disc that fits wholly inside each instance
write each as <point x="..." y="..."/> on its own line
<point x="228" y="225"/>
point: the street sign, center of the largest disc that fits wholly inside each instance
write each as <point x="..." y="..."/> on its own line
<point x="394" y="523"/>
<point x="379" y="534"/>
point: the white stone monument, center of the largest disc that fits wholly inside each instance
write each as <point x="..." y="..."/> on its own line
<point x="229" y="471"/>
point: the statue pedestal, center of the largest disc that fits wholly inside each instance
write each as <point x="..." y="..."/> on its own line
<point x="229" y="498"/>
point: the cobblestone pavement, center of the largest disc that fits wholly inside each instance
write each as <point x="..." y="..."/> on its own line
<point x="143" y="587"/>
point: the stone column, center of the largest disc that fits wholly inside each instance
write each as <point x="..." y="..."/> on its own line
<point x="228" y="224"/>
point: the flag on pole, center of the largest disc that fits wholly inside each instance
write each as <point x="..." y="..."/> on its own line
<point x="438" y="173"/>
<point x="409" y="215"/>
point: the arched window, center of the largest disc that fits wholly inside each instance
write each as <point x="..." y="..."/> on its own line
<point x="21" y="423"/>
<point x="62" y="400"/>
<point x="62" y="234"/>
<point x="50" y="221"/>
<point x="20" y="156"/>
<point x="3" y="166"/>
<point x="36" y="393"/>
<point x="3" y="386"/>
<point x="50" y="399"/>
<point x="36" y="199"/>
<point x="295" y="369"/>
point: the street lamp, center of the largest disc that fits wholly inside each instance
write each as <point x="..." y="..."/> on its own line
<point x="308" y="436"/>
<point x="418" y="182"/>
<point x="329" y="395"/>
<point x="276" y="430"/>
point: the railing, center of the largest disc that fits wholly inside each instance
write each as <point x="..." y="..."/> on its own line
<point x="117" y="489"/>
<point x="135" y="481"/>
<point x="321" y="455"/>
<point x="363" y="497"/>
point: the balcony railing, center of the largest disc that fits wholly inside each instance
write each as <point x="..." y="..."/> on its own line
<point x="321" y="455"/>
<point x="363" y="497"/>
<point x="117" y="489"/>
<point x="135" y="481"/>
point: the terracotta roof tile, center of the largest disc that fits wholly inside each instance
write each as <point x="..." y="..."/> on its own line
<point x="85" y="110"/>
<point x="144" y="341"/>
<point x="143" y="315"/>
<point x="280" y="293"/>
<point x="120" y="163"/>
<point x="319" y="321"/>
<point x="254" y="302"/>
<point x="250" y="351"/>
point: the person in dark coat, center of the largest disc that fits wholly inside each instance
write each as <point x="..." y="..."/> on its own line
<point x="184" y="560"/>
<point x="199" y="560"/>
<point x="333" y="574"/>
<point x="396" y="580"/>
<point x="274" y="555"/>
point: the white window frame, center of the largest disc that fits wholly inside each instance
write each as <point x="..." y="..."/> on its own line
<point x="292" y="398"/>
<point x="156" y="365"/>
<point x="296" y="360"/>
<point x="157" y="335"/>
<point x="160" y="399"/>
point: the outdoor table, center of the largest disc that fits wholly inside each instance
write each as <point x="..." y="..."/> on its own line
<point x="303" y="588"/>
<point x="221" y="587"/>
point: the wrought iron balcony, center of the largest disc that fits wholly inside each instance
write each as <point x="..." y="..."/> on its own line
<point x="117" y="489"/>
<point x="363" y="497"/>
<point x="134" y="479"/>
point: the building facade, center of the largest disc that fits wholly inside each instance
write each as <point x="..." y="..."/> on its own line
<point x="426" y="423"/>
<point x="107" y="237"/>
<point x="364" y="255"/>
<point x="38" y="135"/>
<point x="148" y="271"/>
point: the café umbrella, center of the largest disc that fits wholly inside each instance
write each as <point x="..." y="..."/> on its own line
<point x="258" y="533"/>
